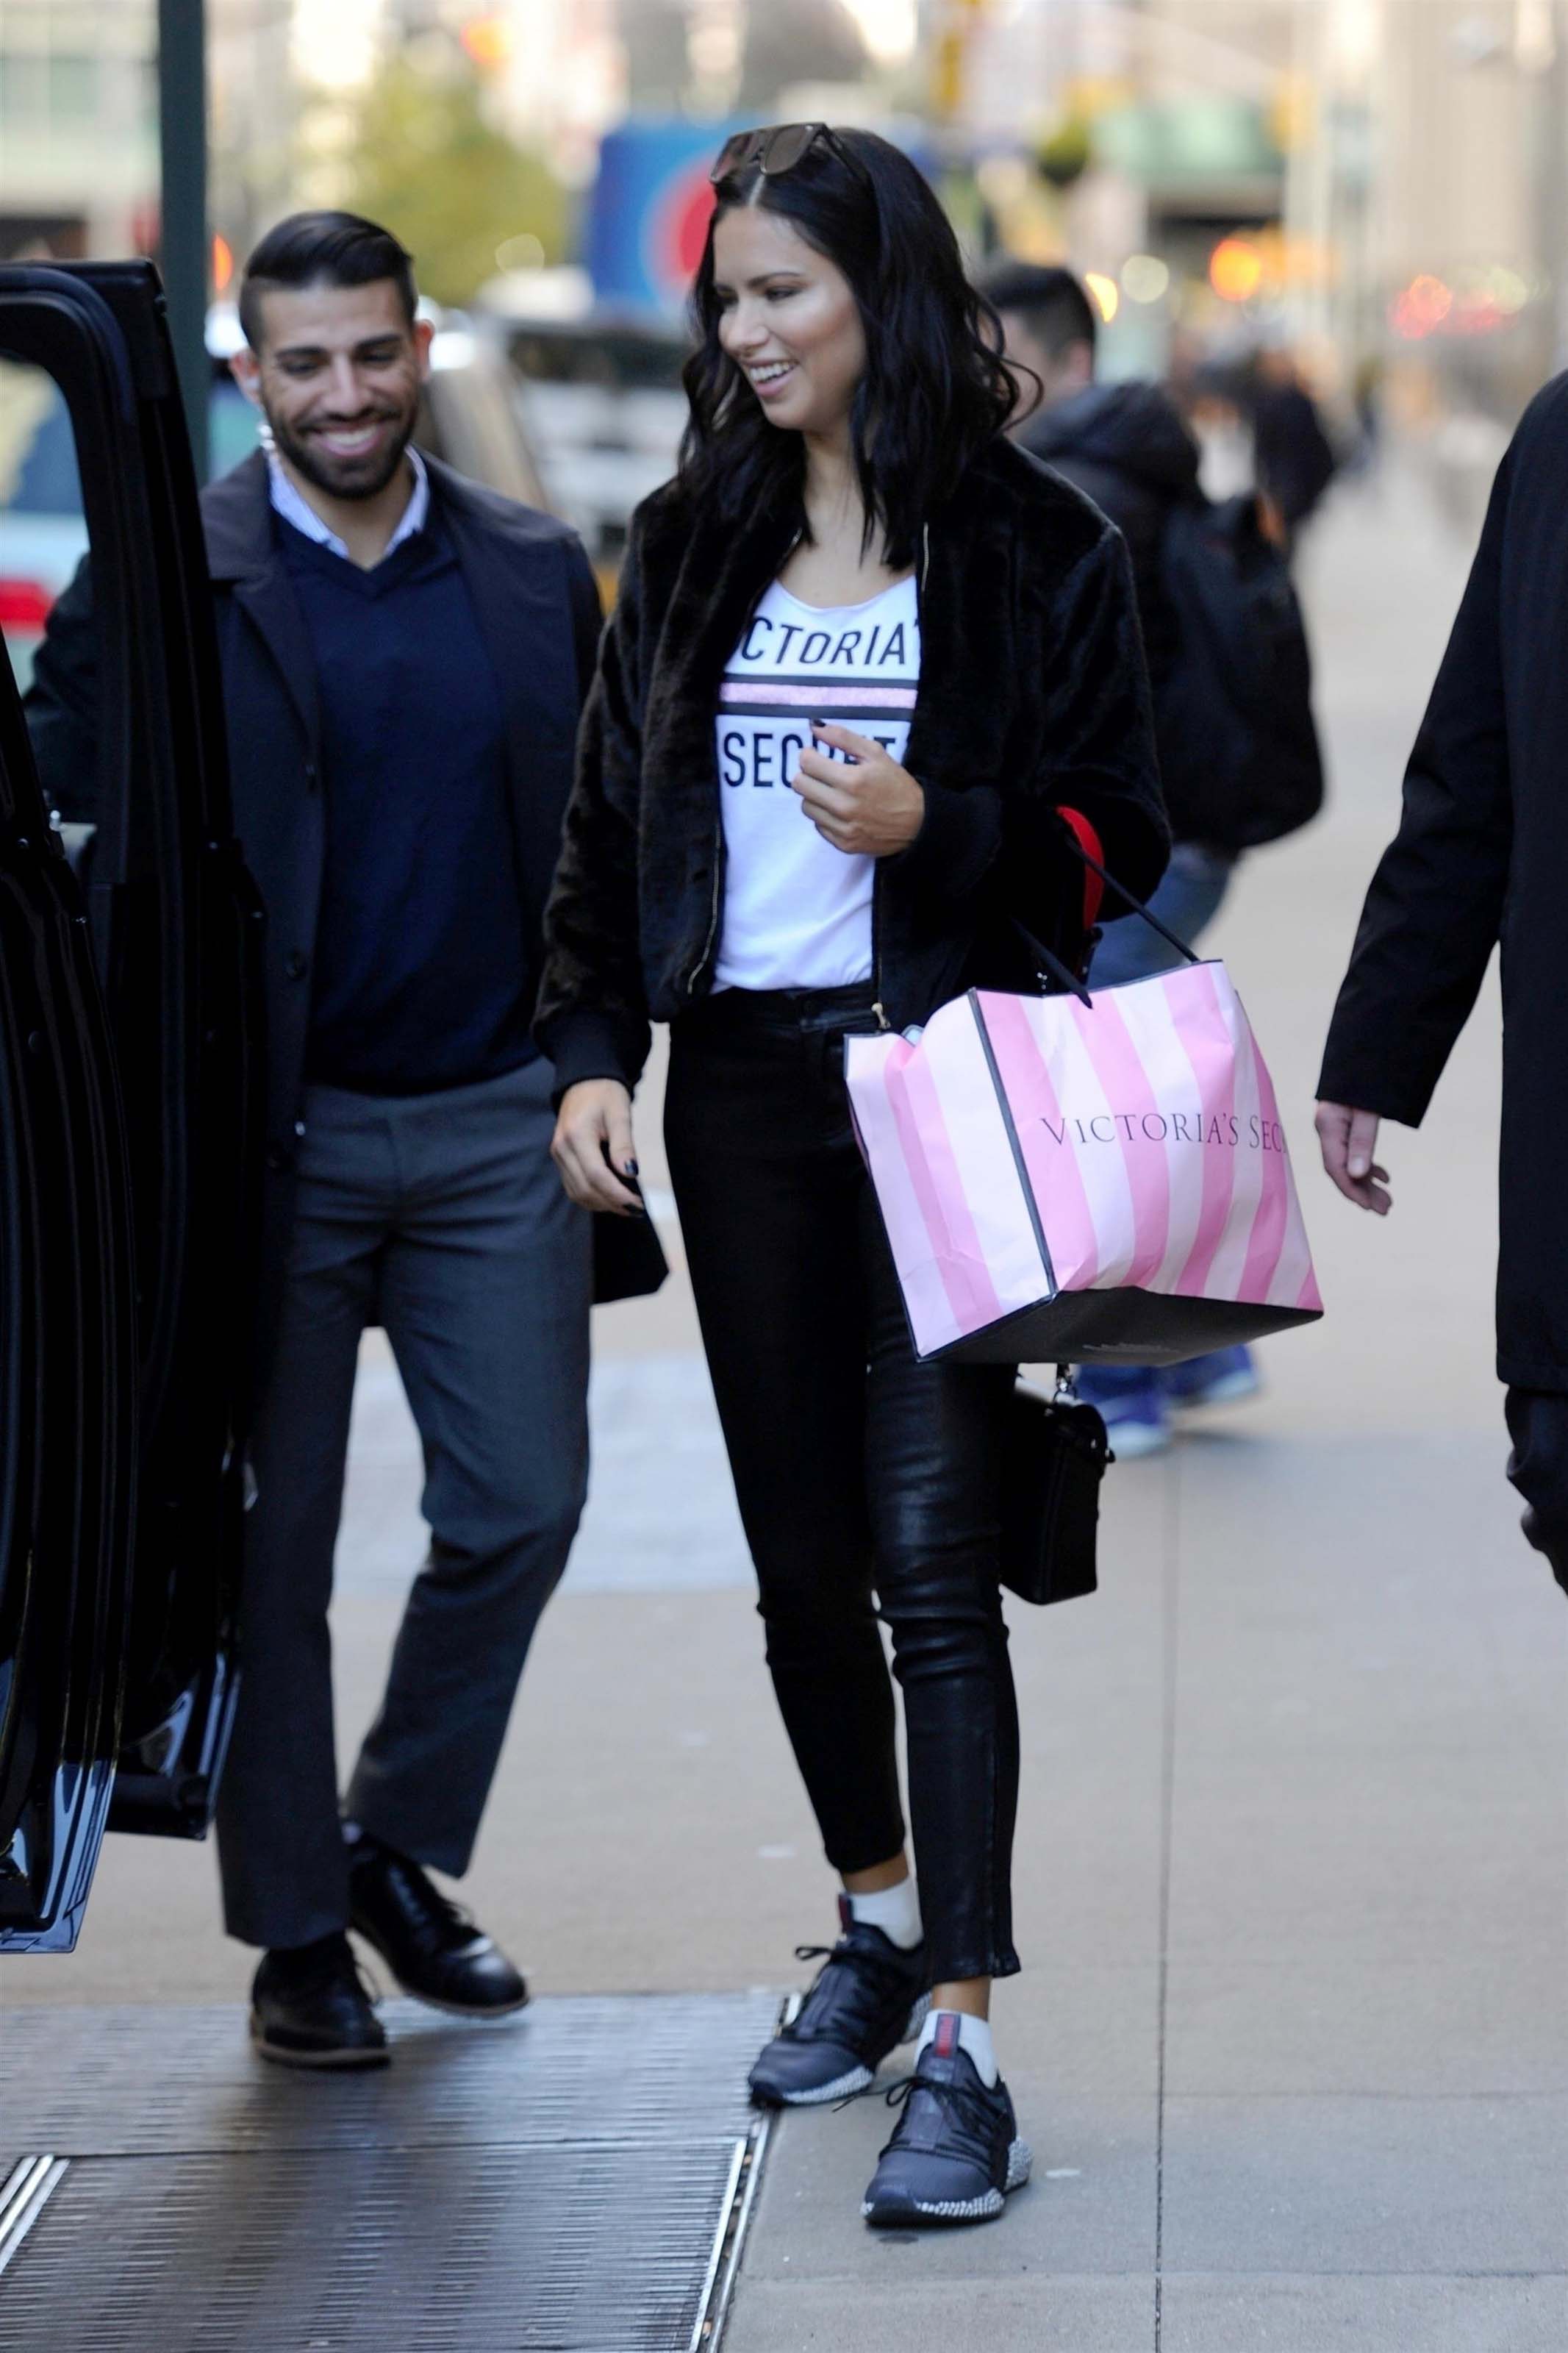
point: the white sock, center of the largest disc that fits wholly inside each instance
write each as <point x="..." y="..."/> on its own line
<point x="895" y="1910"/>
<point x="973" y="2036"/>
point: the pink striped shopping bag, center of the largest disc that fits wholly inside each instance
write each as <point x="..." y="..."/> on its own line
<point x="1069" y="1178"/>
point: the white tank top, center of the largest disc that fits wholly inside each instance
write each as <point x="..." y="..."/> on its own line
<point x="797" y="913"/>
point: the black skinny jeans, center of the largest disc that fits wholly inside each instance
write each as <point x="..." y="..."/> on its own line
<point x="858" y="1470"/>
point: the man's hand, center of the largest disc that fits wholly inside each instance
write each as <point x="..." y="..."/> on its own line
<point x="868" y="810"/>
<point x="594" y="1139"/>
<point x="1349" y="1139"/>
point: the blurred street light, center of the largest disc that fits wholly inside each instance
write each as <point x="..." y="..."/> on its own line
<point x="335" y="46"/>
<point x="488" y="40"/>
<point x="1105" y="292"/>
<point x="890" y="29"/>
<point x="1145" y="278"/>
<point x="1235" y="270"/>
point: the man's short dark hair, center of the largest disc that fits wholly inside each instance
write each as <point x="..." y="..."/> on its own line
<point x="1051" y="303"/>
<point x="322" y="250"/>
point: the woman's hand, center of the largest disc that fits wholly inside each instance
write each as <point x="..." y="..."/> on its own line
<point x="869" y="810"/>
<point x="592" y="1139"/>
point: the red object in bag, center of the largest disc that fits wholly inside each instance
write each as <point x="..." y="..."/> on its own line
<point x="1084" y="834"/>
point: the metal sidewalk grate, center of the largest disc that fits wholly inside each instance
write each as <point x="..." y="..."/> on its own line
<point x="566" y="2183"/>
<point x="488" y="2248"/>
<point x="136" y="2081"/>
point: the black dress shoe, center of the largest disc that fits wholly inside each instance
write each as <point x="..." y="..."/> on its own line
<point x="433" y="1949"/>
<point x="309" y="2008"/>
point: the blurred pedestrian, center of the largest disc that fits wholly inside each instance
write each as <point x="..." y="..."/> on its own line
<point x="1367" y="394"/>
<point x="864" y="650"/>
<point x="1481" y="856"/>
<point x="405" y="656"/>
<point x="1127" y="447"/>
<point x="1293" y="456"/>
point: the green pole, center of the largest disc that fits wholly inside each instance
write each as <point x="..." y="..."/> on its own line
<point x="183" y="154"/>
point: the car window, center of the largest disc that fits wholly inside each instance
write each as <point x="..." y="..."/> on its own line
<point x="38" y="452"/>
<point x="42" y="534"/>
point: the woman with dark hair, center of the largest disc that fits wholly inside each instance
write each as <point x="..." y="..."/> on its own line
<point x="865" y="650"/>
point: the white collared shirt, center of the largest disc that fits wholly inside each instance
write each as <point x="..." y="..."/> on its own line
<point x="288" y="503"/>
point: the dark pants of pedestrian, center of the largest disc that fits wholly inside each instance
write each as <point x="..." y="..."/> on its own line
<point x="441" y="1217"/>
<point x="858" y="1470"/>
<point x="1538" y="1467"/>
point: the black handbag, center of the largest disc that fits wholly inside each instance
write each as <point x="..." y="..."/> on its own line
<point x="628" y="1258"/>
<point x="1054" y="1459"/>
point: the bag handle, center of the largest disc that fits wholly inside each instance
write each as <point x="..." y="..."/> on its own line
<point x="1048" y="964"/>
<point x="1137" y="905"/>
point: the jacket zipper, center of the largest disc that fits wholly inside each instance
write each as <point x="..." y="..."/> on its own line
<point x="877" y="1007"/>
<point x="701" y="964"/>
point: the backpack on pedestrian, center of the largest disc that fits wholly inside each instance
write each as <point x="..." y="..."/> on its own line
<point x="1239" y="747"/>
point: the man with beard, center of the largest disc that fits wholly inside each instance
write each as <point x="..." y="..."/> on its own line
<point x="404" y="658"/>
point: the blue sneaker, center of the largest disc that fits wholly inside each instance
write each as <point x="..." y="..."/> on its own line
<point x="1222" y="1378"/>
<point x="956" y="2156"/>
<point x="868" y="1996"/>
<point x="1132" y="1398"/>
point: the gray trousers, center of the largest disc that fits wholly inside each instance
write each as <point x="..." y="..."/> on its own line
<point x="442" y="1218"/>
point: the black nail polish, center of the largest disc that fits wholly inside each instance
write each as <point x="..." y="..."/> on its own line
<point x="631" y="1168"/>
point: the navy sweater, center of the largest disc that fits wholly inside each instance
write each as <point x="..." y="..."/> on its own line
<point x="424" y="978"/>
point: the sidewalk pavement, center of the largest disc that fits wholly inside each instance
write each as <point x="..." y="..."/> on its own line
<point x="1292" y="1877"/>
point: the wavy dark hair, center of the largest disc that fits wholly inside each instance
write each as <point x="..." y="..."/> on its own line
<point x="935" y="391"/>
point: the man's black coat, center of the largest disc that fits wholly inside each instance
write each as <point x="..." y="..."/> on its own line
<point x="1481" y="856"/>
<point x="537" y="606"/>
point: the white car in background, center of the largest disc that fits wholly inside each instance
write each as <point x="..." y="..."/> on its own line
<point x="600" y="396"/>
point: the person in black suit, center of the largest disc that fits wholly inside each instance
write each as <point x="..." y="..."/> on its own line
<point x="1481" y="857"/>
<point x="404" y="655"/>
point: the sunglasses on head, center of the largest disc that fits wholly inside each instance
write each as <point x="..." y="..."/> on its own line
<point x="775" y="150"/>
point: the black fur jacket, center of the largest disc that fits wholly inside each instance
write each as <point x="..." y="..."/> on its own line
<point x="1033" y="694"/>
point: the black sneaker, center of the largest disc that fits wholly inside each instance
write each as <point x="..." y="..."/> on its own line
<point x="433" y="1948"/>
<point x="868" y="1996"/>
<point x="955" y="2153"/>
<point x="310" y="2008"/>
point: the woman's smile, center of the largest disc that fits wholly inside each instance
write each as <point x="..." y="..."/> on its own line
<point x="769" y="377"/>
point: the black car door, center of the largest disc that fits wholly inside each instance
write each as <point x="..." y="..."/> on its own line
<point x="68" y="1378"/>
<point x="127" y="733"/>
